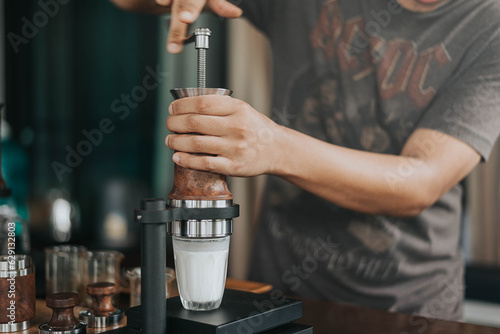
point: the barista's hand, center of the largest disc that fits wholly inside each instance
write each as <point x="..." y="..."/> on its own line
<point x="236" y="139"/>
<point x="185" y="12"/>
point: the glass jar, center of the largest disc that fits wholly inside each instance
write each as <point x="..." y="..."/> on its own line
<point x="134" y="277"/>
<point x="100" y="266"/>
<point x="62" y="268"/>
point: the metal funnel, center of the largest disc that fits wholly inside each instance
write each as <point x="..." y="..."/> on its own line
<point x="179" y="93"/>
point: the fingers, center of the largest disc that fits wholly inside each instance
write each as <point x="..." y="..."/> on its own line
<point x="203" y="124"/>
<point x="197" y="144"/>
<point x="164" y="2"/>
<point x="184" y="12"/>
<point x="224" y="9"/>
<point x="207" y="163"/>
<point x="206" y="105"/>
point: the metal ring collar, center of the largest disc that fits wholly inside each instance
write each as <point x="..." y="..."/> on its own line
<point x="185" y="213"/>
<point x="201" y="228"/>
<point x="15" y="327"/>
<point x="207" y="228"/>
<point x="94" y="321"/>
<point x="81" y="328"/>
<point x="15" y="266"/>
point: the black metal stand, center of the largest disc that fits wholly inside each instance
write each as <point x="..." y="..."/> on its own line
<point x="239" y="312"/>
<point x="154" y="216"/>
<point x="153" y="260"/>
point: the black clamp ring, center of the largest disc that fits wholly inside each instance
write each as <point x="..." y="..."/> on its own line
<point x="170" y="214"/>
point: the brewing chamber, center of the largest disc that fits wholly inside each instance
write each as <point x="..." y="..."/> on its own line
<point x="198" y="190"/>
<point x="201" y="246"/>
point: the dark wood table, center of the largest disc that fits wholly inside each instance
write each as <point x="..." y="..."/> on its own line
<point x="331" y="318"/>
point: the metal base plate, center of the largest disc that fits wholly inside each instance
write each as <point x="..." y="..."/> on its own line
<point x="240" y="312"/>
<point x="81" y="328"/>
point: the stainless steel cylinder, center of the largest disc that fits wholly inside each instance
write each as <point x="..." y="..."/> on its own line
<point x="206" y="228"/>
<point x="200" y="189"/>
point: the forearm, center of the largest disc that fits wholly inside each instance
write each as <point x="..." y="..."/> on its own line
<point x="362" y="181"/>
<point x="239" y="141"/>
<point x="144" y="6"/>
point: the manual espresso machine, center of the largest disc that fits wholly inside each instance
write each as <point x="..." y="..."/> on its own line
<point x="199" y="217"/>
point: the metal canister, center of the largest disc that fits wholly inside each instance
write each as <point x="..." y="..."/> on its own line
<point x="17" y="293"/>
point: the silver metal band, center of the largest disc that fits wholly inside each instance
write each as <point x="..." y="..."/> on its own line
<point x="17" y="273"/>
<point x="201" y="228"/>
<point x="206" y="228"/>
<point x="200" y="204"/>
<point x="7" y="262"/>
<point x="94" y="321"/>
<point x="16" y="327"/>
<point x="179" y="93"/>
<point x="15" y="265"/>
<point x="81" y="328"/>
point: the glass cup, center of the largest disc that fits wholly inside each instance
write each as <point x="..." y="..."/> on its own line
<point x="134" y="277"/>
<point x="100" y="266"/>
<point x="62" y="268"/>
<point x="201" y="268"/>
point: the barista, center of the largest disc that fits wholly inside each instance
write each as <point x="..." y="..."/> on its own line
<point x="383" y="108"/>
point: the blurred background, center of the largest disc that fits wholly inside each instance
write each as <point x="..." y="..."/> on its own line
<point x="86" y="90"/>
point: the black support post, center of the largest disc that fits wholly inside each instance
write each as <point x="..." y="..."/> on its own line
<point x="153" y="264"/>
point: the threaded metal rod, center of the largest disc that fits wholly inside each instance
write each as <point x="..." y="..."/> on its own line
<point x="202" y="68"/>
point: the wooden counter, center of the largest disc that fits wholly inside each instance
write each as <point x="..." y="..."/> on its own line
<point x="43" y="313"/>
<point x="328" y="318"/>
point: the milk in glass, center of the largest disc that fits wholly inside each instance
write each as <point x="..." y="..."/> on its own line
<point x="201" y="267"/>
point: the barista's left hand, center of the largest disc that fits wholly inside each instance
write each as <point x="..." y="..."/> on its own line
<point x="233" y="138"/>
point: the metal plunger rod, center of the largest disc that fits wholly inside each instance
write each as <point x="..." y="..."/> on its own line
<point x="202" y="44"/>
<point x="153" y="277"/>
<point x="202" y="68"/>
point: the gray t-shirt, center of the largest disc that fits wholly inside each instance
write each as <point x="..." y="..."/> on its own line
<point x="365" y="75"/>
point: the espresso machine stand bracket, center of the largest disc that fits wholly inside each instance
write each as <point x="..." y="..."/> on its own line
<point x="154" y="216"/>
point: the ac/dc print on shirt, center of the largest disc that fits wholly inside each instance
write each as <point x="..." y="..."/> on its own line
<point x="399" y="65"/>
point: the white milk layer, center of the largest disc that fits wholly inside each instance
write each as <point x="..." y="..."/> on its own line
<point x="201" y="267"/>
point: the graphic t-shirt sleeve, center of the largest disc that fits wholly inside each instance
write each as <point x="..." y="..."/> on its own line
<point x="469" y="107"/>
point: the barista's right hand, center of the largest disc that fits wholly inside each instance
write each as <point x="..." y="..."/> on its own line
<point x="185" y="12"/>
